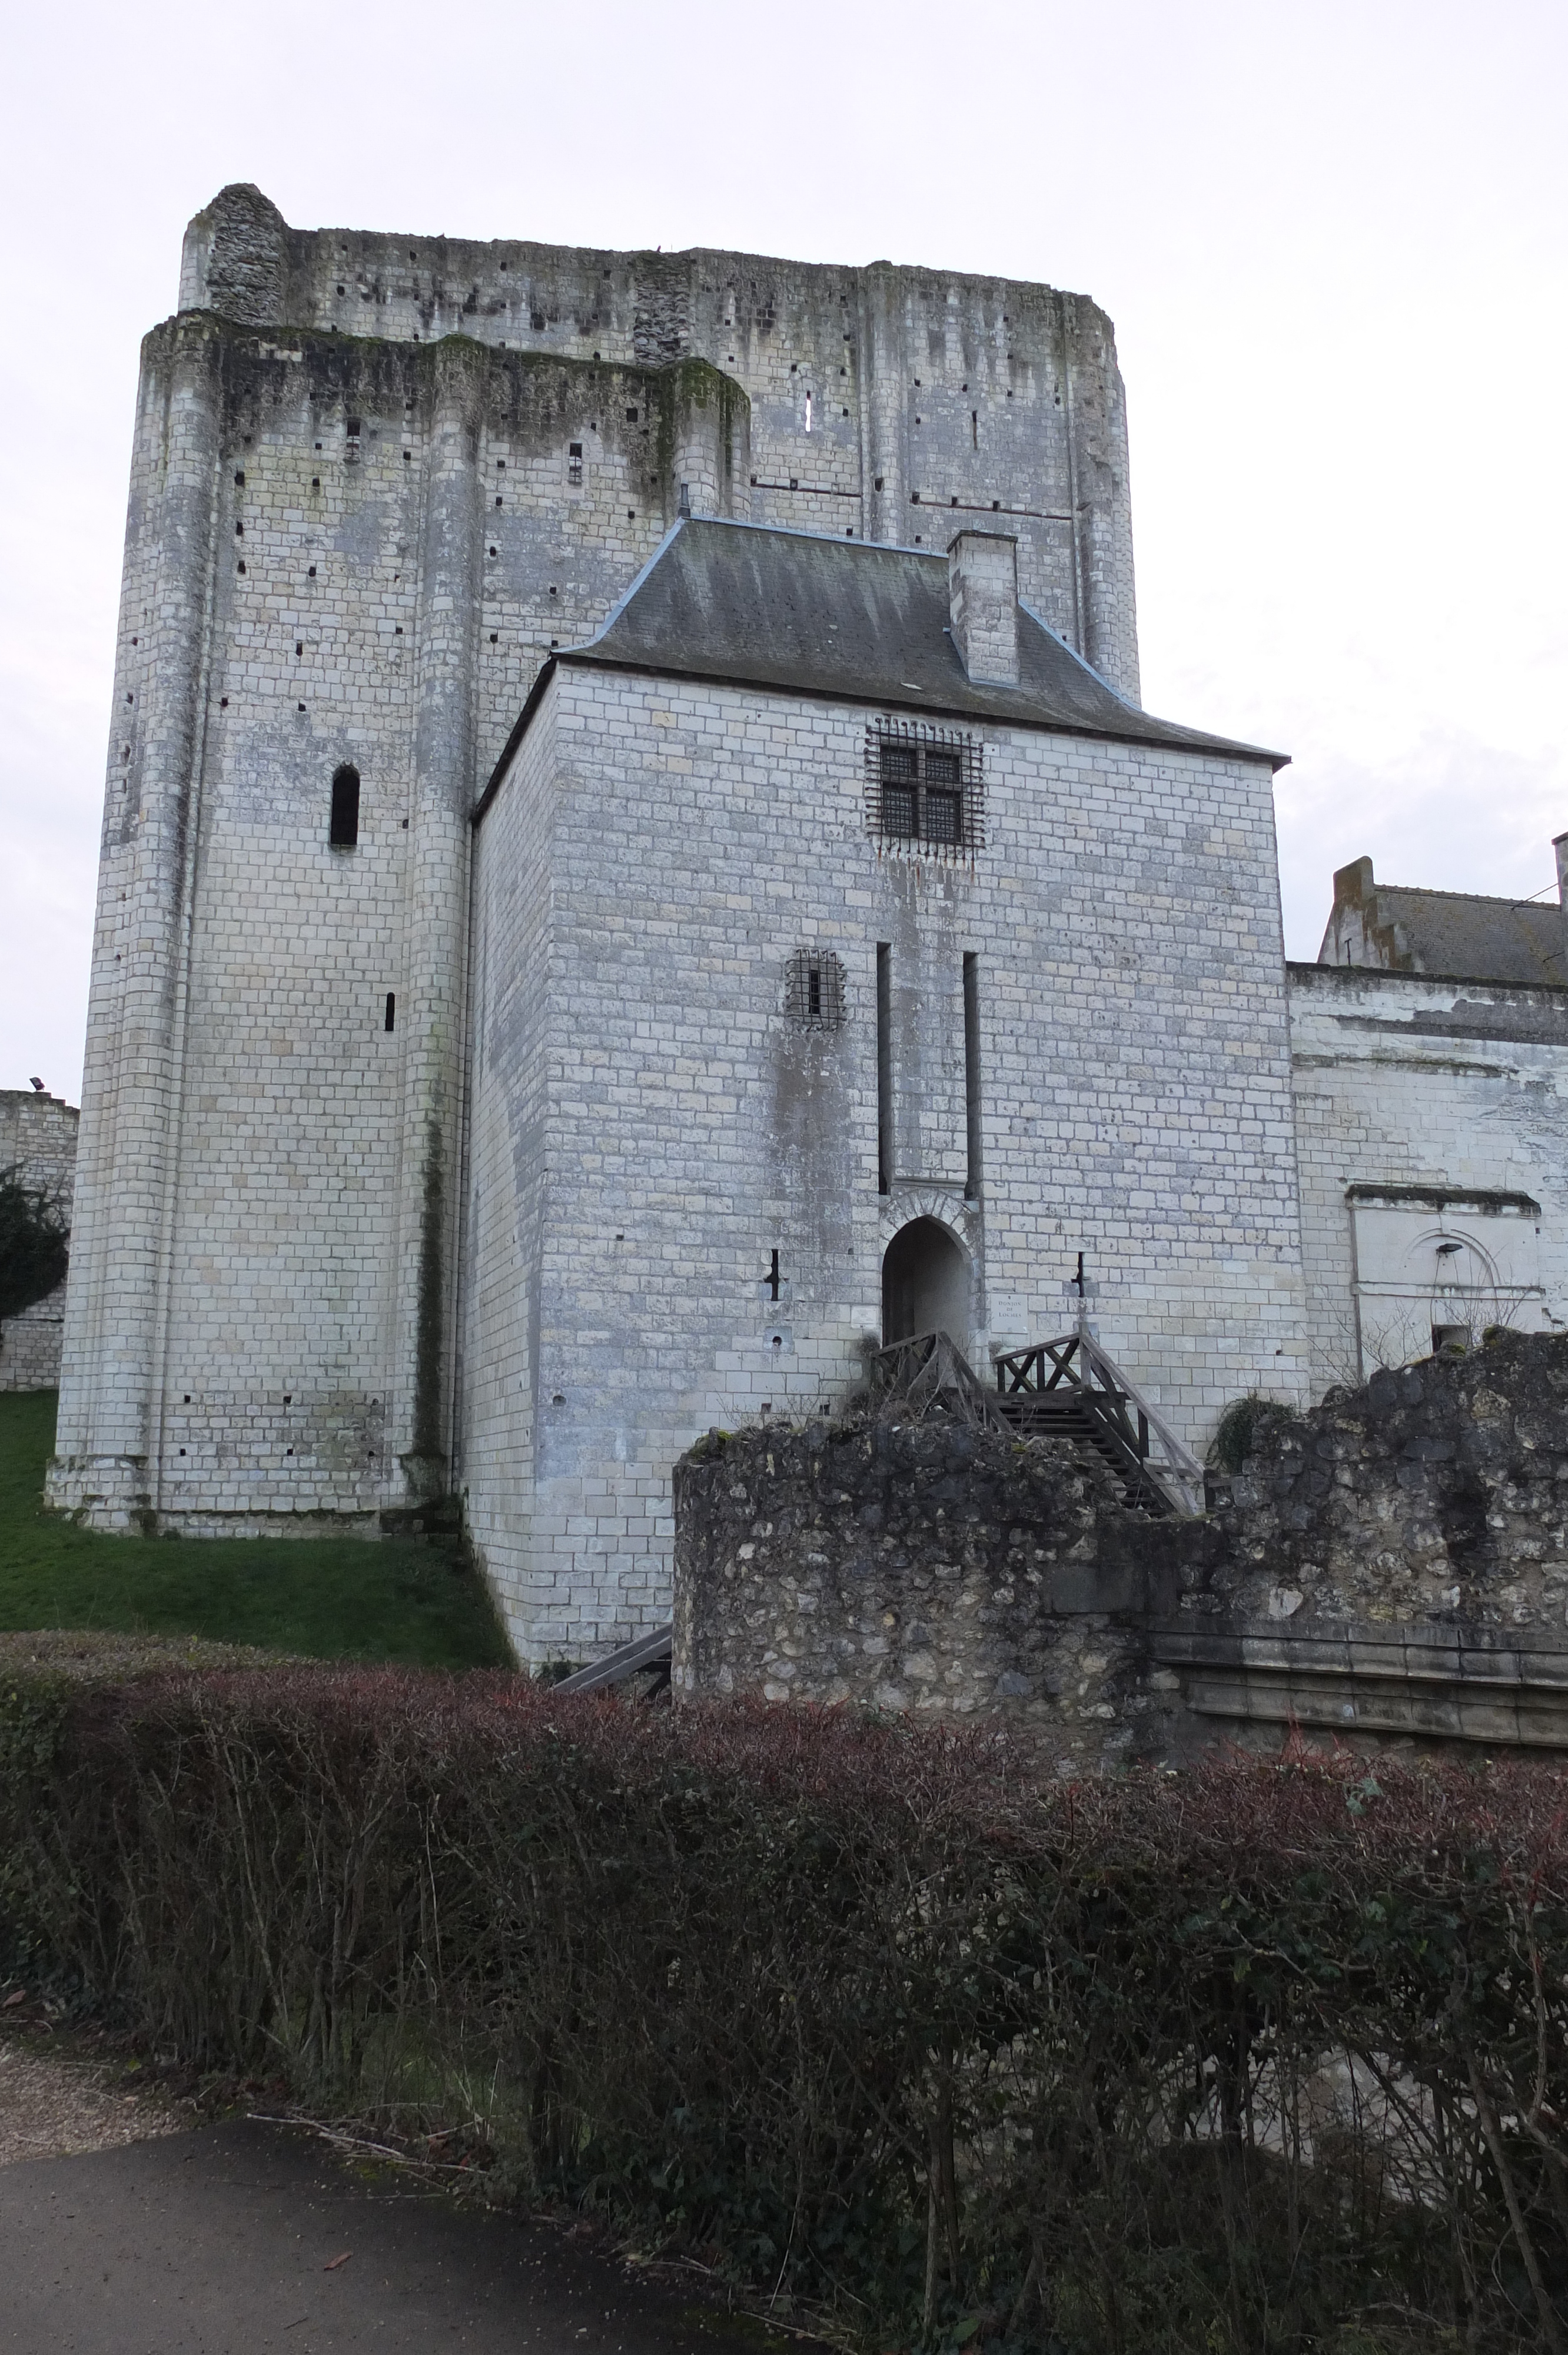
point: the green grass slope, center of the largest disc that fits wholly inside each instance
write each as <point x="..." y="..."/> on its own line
<point x="327" y="1598"/>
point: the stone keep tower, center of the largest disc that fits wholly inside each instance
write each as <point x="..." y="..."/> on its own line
<point x="375" y="479"/>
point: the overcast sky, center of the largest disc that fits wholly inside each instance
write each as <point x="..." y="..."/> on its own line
<point x="1331" y="238"/>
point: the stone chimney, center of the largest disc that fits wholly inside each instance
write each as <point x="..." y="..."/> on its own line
<point x="1560" y="845"/>
<point x="982" y="596"/>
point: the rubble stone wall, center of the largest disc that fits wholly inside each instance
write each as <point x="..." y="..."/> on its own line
<point x="38" y="1140"/>
<point x="1436" y="1492"/>
<point x="1389" y="1567"/>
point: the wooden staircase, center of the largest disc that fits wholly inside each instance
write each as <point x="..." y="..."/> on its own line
<point x="1068" y="1388"/>
<point x="1068" y="1417"/>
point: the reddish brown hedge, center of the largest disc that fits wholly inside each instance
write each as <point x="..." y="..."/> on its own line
<point x="1233" y="2060"/>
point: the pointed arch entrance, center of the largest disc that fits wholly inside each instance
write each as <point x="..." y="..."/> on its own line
<point x="925" y="1284"/>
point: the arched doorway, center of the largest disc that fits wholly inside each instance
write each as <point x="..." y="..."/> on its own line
<point x="924" y="1284"/>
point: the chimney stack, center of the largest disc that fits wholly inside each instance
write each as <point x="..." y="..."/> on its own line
<point x="982" y="597"/>
<point x="1560" y="845"/>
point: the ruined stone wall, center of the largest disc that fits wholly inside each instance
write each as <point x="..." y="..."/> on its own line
<point x="37" y="1141"/>
<point x="893" y="404"/>
<point x="1392" y="1566"/>
<point x="920" y="1566"/>
<point x="1436" y="1492"/>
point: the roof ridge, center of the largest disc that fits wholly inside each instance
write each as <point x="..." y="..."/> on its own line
<point x="833" y="538"/>
<point x="1486" y="898"/>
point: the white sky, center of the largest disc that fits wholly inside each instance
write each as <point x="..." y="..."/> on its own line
<point x="1332" y="238"/>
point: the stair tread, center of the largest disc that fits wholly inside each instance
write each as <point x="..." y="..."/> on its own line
<point x="1054" y="1416"/>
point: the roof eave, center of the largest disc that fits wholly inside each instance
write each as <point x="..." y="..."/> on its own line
<point x="586" y="657"/>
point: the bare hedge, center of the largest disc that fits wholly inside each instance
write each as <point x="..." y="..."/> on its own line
<point x="1261" y="2057"/>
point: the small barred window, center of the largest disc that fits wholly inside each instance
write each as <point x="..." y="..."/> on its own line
<point x="923" y="788"/>
<point x="814" y="992"/>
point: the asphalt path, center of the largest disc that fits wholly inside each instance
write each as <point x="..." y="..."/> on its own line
<point x="241" y="2237"/>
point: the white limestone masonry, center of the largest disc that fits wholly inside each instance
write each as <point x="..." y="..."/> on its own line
<point x="374" y="482"/>
<point x="982" y="576"/>
<point x="651" y="1122"/>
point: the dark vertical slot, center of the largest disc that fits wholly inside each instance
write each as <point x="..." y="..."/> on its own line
<point x="391" y="1010"/>
<point x="883" y="1067"/>
<point x="972" y="1076"/>
<point x="343" y="831"/>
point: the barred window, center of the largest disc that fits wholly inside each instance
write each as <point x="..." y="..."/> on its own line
<point x="923" y="788"/>
<point x="814" y="989"/>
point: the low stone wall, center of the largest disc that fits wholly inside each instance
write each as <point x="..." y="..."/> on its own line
<point x="30" y="1345"/>
<point x="1390" y="1567"/>
<point x="921" y="1566"/>
<point x="38" y="1140"/>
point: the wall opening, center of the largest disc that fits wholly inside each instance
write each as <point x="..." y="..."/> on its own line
<point x="971" y="1078"/>
<point x="814" y="989"/>
<point x="342" y="832"/>
<point x="883" y="1067"/>
<point x="924" y="1284"/>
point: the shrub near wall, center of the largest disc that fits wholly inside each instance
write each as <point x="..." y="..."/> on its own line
<point x="1268" y="2056"/>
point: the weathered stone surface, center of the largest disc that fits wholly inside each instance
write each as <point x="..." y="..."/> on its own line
<point x="1389" y="1566"/>
<point x="38" y="1140"/>
<point x="1438" y="1492"/>
<point x="921" y="1566"/>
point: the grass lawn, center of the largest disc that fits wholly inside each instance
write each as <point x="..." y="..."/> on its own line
<point x="327" y="1598"/>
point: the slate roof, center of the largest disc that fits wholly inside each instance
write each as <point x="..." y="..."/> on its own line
<point x="1460" y="935"/>
<point x="854" y="621"/>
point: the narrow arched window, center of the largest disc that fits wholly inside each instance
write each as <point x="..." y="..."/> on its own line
<point x="343" y="832"/>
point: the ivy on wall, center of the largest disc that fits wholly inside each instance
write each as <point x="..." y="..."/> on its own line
<point x="34" y="1240"/>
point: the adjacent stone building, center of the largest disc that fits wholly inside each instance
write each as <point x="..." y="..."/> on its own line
<point x="1430" y="1050"/>
<point x="633" y="863"/>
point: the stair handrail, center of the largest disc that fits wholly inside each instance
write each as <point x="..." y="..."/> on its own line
<point x="1181" y="1470"/>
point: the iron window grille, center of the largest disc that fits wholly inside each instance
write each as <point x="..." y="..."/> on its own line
<point x="924" y="789"/>
<point x="814" y="989"/>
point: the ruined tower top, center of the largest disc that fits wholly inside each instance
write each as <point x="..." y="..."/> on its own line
<point x="877" y="394"/>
